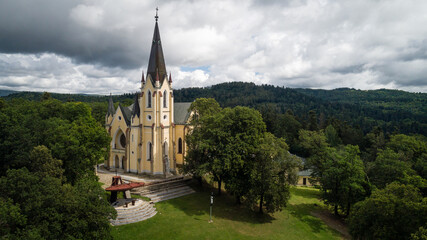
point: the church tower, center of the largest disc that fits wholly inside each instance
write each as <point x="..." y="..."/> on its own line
<point x="148" y="137"/>
<point x="157" y="108"/>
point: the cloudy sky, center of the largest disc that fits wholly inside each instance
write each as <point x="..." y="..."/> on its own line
<point x="102" y="46"/>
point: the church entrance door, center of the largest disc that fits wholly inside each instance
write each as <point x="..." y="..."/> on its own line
<point x="116" y="162"/>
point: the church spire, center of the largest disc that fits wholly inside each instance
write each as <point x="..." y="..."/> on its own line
<point x="111" y="110"/>
<point x="156" y="62"/>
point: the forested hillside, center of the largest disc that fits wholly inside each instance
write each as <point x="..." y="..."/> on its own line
<point x="394" y="111"/>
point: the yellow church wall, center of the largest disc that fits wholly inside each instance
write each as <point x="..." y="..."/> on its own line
<point x="145" y="161"/>
<point x="133" y="145"/>
<point x="157" y="130"/>
<point x="180" y="133"/>
<point x="117" y="125"/>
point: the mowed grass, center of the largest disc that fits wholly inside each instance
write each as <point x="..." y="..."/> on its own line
<point x="187" y="218"/>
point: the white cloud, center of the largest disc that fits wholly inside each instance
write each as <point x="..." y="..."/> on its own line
<point x="97" y="46"/>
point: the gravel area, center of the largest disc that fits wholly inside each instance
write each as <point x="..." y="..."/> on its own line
<point x="106" y="177"/>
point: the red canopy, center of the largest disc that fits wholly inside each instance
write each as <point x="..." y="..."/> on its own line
<point x="124" y="186"/>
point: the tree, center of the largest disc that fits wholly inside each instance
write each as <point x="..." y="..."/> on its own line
<point x="387" y="168"/>
<point x="242" y="131"/>
<point x="413" y="150"/>
<point x="343" y="181"/>
<point x="46" y="96"/>
<point x="373" y="142"/>
<point x="288" y="128"/>
<point x="316" y="148"/>
<point x="390" y="213"/>
<point x="41" y="207"/>
<point x="43" y="164"/>
<point x="198" y="157"/>
<point x="421" y="234"/>
<point x="80" y="145"/>
<point x="220" y="143"/>
<point x="332" y="136"/>
<point x="271" y="175"/>
<point x="67" y="129"/>
<point x="312" y="121"/>
<point x="203" y="107"/>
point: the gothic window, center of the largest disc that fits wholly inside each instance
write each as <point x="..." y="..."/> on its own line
<point x="149" y="99"/>
<point x="149" y="151"/>
<point x="123" y="140"/>
<point x="179" y="145"/>
<point x="165" y="99"/>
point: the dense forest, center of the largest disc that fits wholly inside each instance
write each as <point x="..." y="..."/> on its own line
<point x="391" y="110"/>
<point x="48" y="187"/>
<point x="394" y="111"/>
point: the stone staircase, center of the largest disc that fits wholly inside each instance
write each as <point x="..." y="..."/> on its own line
<point x="142" y="210"/>
<point x="165" y="189"/>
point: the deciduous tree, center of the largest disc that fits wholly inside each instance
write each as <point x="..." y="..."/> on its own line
<point x="390" y="213"/>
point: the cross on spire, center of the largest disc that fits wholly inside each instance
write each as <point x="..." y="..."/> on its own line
<point x="157" y="16"/>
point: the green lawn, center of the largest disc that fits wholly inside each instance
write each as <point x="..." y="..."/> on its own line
<point x="187" y="218"/>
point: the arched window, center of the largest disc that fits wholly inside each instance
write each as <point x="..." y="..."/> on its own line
<point x="179" y="145"/>
<point x="165" y="99"/>
<point x="123" y="141"/>
<point x="149" y="99"/>
<point x="149" y="151"/>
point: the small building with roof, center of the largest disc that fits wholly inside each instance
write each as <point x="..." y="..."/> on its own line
<point x="303" y="177"/>
<point x="149" y="136"/>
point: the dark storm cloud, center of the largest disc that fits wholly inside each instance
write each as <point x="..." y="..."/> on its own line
<point x="50" y="26"/>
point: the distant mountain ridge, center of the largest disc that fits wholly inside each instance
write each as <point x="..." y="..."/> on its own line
<point x="4" y="93"/>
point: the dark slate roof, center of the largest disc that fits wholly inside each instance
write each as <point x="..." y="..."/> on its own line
<point x="135" y="107"/>
<point x="127" y="113"/>
<point x="181" y="113"/>
<point x="306" y="172"/>
<point x="111" y="110"/>
<point x="156" y="63"/>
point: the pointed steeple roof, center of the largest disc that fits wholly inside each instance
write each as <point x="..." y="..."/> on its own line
<point x="127" y="114"/>
<point x="156" y="62"/>
<point x="111" y="110"/>
<point x="136" y="108"/>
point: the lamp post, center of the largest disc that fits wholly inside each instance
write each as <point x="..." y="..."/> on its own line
<point x="210" y="212"/>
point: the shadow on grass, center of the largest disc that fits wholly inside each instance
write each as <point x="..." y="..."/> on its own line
<point x="302" y="212"/>
<point x="225" y="207"/>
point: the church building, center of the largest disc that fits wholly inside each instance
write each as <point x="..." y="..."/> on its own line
<point x="148" y="137"/>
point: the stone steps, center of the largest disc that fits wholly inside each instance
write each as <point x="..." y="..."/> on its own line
<point x="172" y="195"/>
<point x="165" y="189"/>
<point x="131" y="214"/>
<point x="161" y="185"/>
<point x="139" y="219"/>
